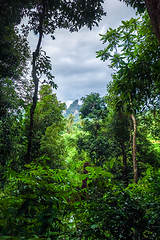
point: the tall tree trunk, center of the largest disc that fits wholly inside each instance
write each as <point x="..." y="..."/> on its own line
<point x="136" y="235"/>
<point x="28" y="158"/>
<point x="84" y="182"/>
<point x="124" y="163"/>
<point x="153" y="8"/>
<point x="134" y="149"/>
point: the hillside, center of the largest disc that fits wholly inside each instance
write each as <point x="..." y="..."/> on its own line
<point x="74" y="109"/>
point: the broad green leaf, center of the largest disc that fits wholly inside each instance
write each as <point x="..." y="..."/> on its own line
<point x="108" y="174"/>
<point x="98" y="170"/>
<point x="89" y="169"/>
<point x="82" y="177"/>
<point x="148" y="171"/>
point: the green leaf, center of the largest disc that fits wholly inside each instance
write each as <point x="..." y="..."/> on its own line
<point x="108" y="174"/>
<point x="111" y="163"/>
<point x="148" y="171"/>
<point x="64" y="200"/>
<point x="89" y="169"/>
<point x="98" y="170"/>
<point x="82" y="177"/>
<point x="32" y="195"/>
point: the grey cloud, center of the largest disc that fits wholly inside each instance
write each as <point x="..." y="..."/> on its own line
<point x="75" y="67"/>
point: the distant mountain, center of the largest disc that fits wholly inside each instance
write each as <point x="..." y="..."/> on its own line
<point x="74" y="109"/>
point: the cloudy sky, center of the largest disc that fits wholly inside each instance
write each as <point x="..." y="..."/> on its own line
<point x="76" y="69"/>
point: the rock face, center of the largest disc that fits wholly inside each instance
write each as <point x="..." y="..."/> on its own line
<point x="74" y="109"/>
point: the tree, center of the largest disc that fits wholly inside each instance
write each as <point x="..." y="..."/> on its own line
<point x="10" y="127"/>
<point x="134" y="59"/>
<point x="14" y="50"/>
<point x="134" y="149"/>
<point x="70" y="121"/>
<point x="93" y="113"/>
<point x="94" y="107"/>
<point x="14" y="56"/>
<point x="139" y="4"/>
<point x="118" y="130"/>
<point x="44" y="18"/>
<point x="153" y="8"/>
<point x="48" y="124"/>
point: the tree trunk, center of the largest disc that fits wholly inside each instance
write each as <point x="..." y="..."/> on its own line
<point x="153" y="8"/>
<point x="134" y="149"/>
<point x="84" y="182"/>
<point x="124" y="164"/>
<point x="136" y="235"/>
<point x="28" y="158"/>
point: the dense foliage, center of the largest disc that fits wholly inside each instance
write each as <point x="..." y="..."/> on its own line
<point x="80" y="181"/>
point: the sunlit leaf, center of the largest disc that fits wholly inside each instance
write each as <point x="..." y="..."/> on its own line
<point x="89" y="169"/>
<point x="82" y="177"/>
<point x="111" y="163"/>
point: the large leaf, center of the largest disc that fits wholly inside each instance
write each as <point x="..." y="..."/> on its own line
<point x="82" y="177"/>
<point x="89" y="169"/>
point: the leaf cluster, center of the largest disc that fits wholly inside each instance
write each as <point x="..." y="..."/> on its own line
<point x="136" y="4"/>
<point x="134" y="55"/>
